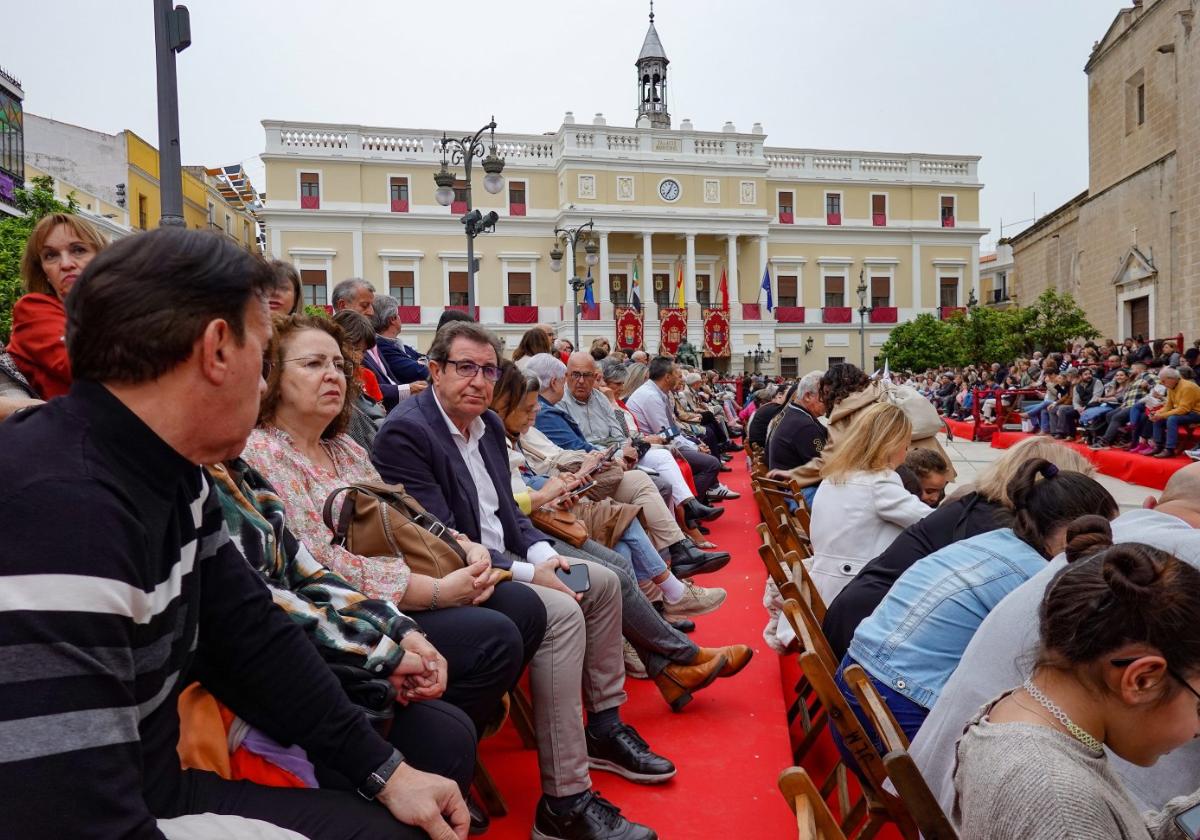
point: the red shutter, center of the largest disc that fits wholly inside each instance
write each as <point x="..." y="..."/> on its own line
<point x="310" y="202"/>
<point x="833" y="218"/>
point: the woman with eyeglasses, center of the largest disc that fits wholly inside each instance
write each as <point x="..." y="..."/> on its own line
<point x="301" y="448"/>
<point x="1118" y="667"/>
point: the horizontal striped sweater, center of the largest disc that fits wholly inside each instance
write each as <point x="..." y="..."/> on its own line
<point x="118" y="586"/>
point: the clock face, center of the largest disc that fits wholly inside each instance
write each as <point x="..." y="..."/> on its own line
<point x="669" y="189"/>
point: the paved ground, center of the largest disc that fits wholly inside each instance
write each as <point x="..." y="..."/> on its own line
<point x="970" y="457"/>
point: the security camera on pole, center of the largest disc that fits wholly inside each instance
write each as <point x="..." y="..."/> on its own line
<point x="465" y="150"/>
<point x="172" y="34"/>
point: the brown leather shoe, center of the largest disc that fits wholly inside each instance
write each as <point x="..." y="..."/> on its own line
<point x="677" y="683"/>
<point x="737" y="657"/>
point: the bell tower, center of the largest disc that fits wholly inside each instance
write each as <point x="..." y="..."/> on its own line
<point x="652" y="79"/>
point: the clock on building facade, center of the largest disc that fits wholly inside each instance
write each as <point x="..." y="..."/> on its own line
<point x="669" y="189"/>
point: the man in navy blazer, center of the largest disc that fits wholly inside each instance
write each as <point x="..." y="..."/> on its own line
<point x="448" y="450"/>
<point x="403" y="366"/>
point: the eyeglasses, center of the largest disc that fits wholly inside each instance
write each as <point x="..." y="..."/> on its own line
<point x="1122" y="663"/>
<point x="467" y="370"/>
<point x="579" y="376"/>
<point x="319" y="364"/>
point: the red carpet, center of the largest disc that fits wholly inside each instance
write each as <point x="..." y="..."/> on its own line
<point x="729" y="743"/>
<point x="1136" y="469"/>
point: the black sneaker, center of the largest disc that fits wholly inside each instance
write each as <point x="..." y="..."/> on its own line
<point x="592" y="818"/>
<point x="625" y="753"/>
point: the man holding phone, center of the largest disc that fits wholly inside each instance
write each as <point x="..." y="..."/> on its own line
<point x="448" y="450"/>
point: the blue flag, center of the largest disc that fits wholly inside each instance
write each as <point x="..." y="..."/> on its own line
<point x="766" y="284"/>
<point x="588" y="297"/>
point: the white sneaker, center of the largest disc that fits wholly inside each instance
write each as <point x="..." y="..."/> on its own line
<point x="696" y="600"/>
<point x="633" y="663"/>
<point x="1194" y="454"/>
<point x="723" y="492"/>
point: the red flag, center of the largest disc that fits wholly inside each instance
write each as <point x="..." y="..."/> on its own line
<point x="724" y="290"/>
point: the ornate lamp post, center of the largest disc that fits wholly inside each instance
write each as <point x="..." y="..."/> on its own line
<point x="464" y="150"/>
<point x="569" y="238"/>
<point x="863" y="310"/>
<point x="757" y="355"/>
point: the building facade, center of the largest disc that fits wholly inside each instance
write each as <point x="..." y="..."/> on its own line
<point x="12" y="141"/>
<point x="1128" y="248"/>
<point x="349" y="200"/>
<point x="114" y="178"/>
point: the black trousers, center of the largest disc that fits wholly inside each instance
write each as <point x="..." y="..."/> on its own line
<point x="1116" y="419"/>
<point x="705" y="469"/>
<point x="324" y="814"/>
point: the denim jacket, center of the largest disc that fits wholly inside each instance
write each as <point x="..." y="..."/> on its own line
<point x="916" y="636"/>
<point x="555" y="423"/>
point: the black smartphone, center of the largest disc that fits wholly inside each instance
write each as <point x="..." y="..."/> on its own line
<point x="610" y="452"/>
<point x="582" y="488"/>
<point x="1189" y="822"/>
<point x="576" y="578"/>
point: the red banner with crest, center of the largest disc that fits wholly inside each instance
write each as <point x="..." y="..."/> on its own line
<point x="673" y="329"/>
<point x="629" y="328"/>
<point x="716" y="333"/>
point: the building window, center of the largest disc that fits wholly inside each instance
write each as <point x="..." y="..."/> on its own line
<point x="788" y="289"/>
<point x="663" y="288"/>
<point x="835" y="360"/>
<point x="398" y="192"/>
<point x="458" y="288"/>
<point x="835" y="292"/>
<point x="1135" y="101"/>
<point x="618" y="288"/>
<point x="947" y="211"/>
<point x="881" y="291"/>
<point x="833" y="208"/>
<point x="229" y="224"/>
<point x="314" y="286"/>
<point x="142" y="212"/>
<point x="786" y="208"/>
<point x="516" y="198"/>
<point x="789" y="367"/>
<point x="1141" y="104"/>
<point x="948" y="291"/>
<point x="403" y="287"/>
<point x="246" y="232"/>
<point x="459" y="204"/>
<point x="1000" y="289"/>
<point x="520" y="290"/>
<point x="212" y="213"/>
<point x="310" y="191"/>
<point x="703" y="292"/>
<point x="878" y="209"/>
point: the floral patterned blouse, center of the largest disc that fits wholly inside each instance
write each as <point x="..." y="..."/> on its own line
<point x="303" y="487"/>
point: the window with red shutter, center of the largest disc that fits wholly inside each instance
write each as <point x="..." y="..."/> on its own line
<point x="835" y="292"/>
<point x="788" y="290"/>
<point x="516" y="198"/>
<point x="402" y="287"/>
<point x="310" y="191"/>
<point x="459" y="204"/>
<point x="833" y="208"/>
<point x="881" y="291"/>
<point x="458" y="288"/>
<point x="786" y="208"/>
<point x="398" y="188"/>
<point x="878" y="209"/>
<point x="519" y="288"/>
<point x="947" y="211"/>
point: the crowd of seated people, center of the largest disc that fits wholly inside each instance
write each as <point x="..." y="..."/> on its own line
<point x="211" y="449"/>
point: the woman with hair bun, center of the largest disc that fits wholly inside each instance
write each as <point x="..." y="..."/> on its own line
<point x="913" y="641"/>
<point x="1118" y="667"/>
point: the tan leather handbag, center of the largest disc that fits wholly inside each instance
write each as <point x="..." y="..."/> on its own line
<point x="560" y="524"/>
<point x="382" y="520"/>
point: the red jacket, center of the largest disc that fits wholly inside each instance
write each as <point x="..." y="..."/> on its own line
<point x="38" y="346"/>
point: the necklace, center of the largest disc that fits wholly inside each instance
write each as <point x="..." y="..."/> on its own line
<point x="1077" y="731"/>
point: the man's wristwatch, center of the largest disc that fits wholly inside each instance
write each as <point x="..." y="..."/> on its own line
<point x="375" y="782"/>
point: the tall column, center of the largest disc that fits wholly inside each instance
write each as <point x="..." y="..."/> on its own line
<point x="762" y="260"/>
<point x="568" y="273"/>
<point x="975" y="273"/>
<point x="732" y="272"/>
<point x="603" y="295"/>
<point x="647" y="272"/>
<point x="916" y="280"/>
<point x="689" y="277"/>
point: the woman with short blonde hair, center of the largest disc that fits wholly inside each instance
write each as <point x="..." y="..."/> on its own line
<point x="861" y="504"/>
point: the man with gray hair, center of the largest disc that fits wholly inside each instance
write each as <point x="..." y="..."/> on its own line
<point x="354" y="293"/>
<point x="640" y="356"/>
<point x="390" y="363"/>
<point x="799" y="436"/>
<point x="1182" y="408"/>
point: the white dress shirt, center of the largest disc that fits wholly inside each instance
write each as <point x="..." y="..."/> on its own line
<point x="491" y="529"/>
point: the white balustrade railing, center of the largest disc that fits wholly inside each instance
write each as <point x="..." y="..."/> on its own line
<point x="884" y="165"/>
<point x="624" y="142"/>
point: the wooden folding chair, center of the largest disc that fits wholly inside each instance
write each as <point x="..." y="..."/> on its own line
<point x="813" y="819"/>
<point x="914" y="792"/>
<point x="819" y="666"/>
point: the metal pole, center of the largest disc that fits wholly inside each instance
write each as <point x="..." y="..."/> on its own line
<point x="575" y="303"/>
<point x="470" y="239"/>
<point x="171" y="34"/>
<point x="862" y="337"/>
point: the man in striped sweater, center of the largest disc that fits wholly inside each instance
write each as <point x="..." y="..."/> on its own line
<point x="119" y="583"/>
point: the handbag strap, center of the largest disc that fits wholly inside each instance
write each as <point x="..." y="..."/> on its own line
<point x="392" y="497"/>
<point x="341" y="528"/>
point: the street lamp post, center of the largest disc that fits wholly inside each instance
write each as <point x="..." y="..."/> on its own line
<point x="757" y="355"/>
<point x="863" y="310"/>
<point x="172" y="34"/>
<point x="569" y="238"/>
<point x="464" y="150"/>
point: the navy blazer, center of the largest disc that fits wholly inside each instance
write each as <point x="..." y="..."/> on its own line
<point x="414" y="448"/>
<point x="404" y="368"/>
<point x="391" y="393"/>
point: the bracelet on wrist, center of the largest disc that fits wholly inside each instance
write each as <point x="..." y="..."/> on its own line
<point x="433" y="604"/>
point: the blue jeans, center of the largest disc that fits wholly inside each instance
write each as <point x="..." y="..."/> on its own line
<point x="1169" y="427"/>
<point x="1137" y="419"/>
<point x="809" y="493"/>
<point x="635" y="546"/>
<point x="908" y="714"/>
<point x="1094" y="413"/>
<point x="1038" y="416"/>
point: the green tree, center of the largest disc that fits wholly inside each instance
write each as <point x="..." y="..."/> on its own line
<point x="984" y="335"/>
<point x="922" y="343"/>
<point x="34" y="203"/>
<point x="1051" y="321"/>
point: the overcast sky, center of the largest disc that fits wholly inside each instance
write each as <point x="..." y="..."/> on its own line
<point x="998" y="78"/>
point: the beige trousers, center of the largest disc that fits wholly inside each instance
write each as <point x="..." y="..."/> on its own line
<point x="582" y="648"/>
<point x="637" y="488"/>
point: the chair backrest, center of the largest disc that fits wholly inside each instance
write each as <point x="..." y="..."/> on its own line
<point x="918" y="799"/>
<point x="876" y="709"/>
<point x="808" y="630"/>
<point x="813" y="819"/>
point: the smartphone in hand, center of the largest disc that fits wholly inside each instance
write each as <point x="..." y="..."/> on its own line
<point x="576" y="577"/>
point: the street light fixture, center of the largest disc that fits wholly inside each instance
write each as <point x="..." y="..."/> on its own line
<point x="570" y="238"/>
<point x="863" y="310"/>
<point x="465" y="150"/>
<point x="757" y="355"/>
